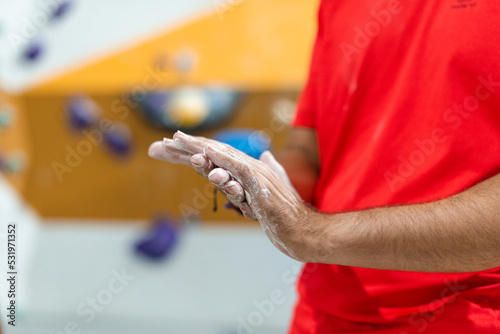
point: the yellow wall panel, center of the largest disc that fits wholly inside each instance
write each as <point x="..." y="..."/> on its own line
<point x="99" y="185"/>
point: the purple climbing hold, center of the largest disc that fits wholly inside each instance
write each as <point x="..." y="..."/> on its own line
<point x="33" y="51"/>
<point x="61" y="10"/>
<point x="160" y="241"/>
<point x="119" y="139"/>
<point x="82" y="112"/>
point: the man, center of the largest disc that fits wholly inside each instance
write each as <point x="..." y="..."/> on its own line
<point x="396" y="142"/>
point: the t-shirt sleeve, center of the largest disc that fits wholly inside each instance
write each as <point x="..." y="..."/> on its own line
<point x="305" y="113"/>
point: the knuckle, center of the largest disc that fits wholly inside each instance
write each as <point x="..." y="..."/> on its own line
<point x="245" y="169"/>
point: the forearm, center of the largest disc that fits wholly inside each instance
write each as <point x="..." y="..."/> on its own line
<point x="302" y="173"/>
<point x="300" y="158"/>
<point x="457" y="234"/>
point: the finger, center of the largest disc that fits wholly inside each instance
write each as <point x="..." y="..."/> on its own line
<point x="170" y="147"/>
<point x="156" y="151"/>
<point x="219" y="176"/>
<point x="268" y="158"/>
<point x="202" y="164"/>
<point x="234" y="193"/>
<point x="189" y="144"/>
<point x="238" y="167"/>
<point x="247" y="212"/>
<point x="208" y="141"/>
<point x="230" y="188"/>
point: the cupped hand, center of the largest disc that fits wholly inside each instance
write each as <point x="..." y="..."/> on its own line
<point x="191" y="154"/>
<point x="268" y="194"/>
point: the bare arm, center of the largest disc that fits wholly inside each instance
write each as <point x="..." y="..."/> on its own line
<point x="456" y="234"/>
<point x="301" y="161"/>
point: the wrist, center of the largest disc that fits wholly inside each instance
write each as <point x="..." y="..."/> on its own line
<point x="324" y="238"/>
<point x="308" y="240"/>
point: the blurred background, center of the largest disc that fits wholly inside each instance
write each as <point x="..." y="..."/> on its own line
<point x="108" y="240"/>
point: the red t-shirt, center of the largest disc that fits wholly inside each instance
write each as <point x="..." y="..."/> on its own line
<point x="405" y="99"/>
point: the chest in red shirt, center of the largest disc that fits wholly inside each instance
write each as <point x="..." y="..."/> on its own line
<point x="405" y="98"/>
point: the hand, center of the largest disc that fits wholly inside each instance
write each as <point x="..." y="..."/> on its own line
<point x="175" y="152"/>
<point x="167" y="150"/>
<point x="268" y="194"/>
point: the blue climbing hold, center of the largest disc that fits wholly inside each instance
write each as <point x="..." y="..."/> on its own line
<point x="250" y="142"/>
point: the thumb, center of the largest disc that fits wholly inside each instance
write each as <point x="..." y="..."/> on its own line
<point x="269" y="159"/>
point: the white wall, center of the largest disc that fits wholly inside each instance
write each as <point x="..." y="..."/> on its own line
<point x="13" y="210"/>
<point x="91" y="29"/>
